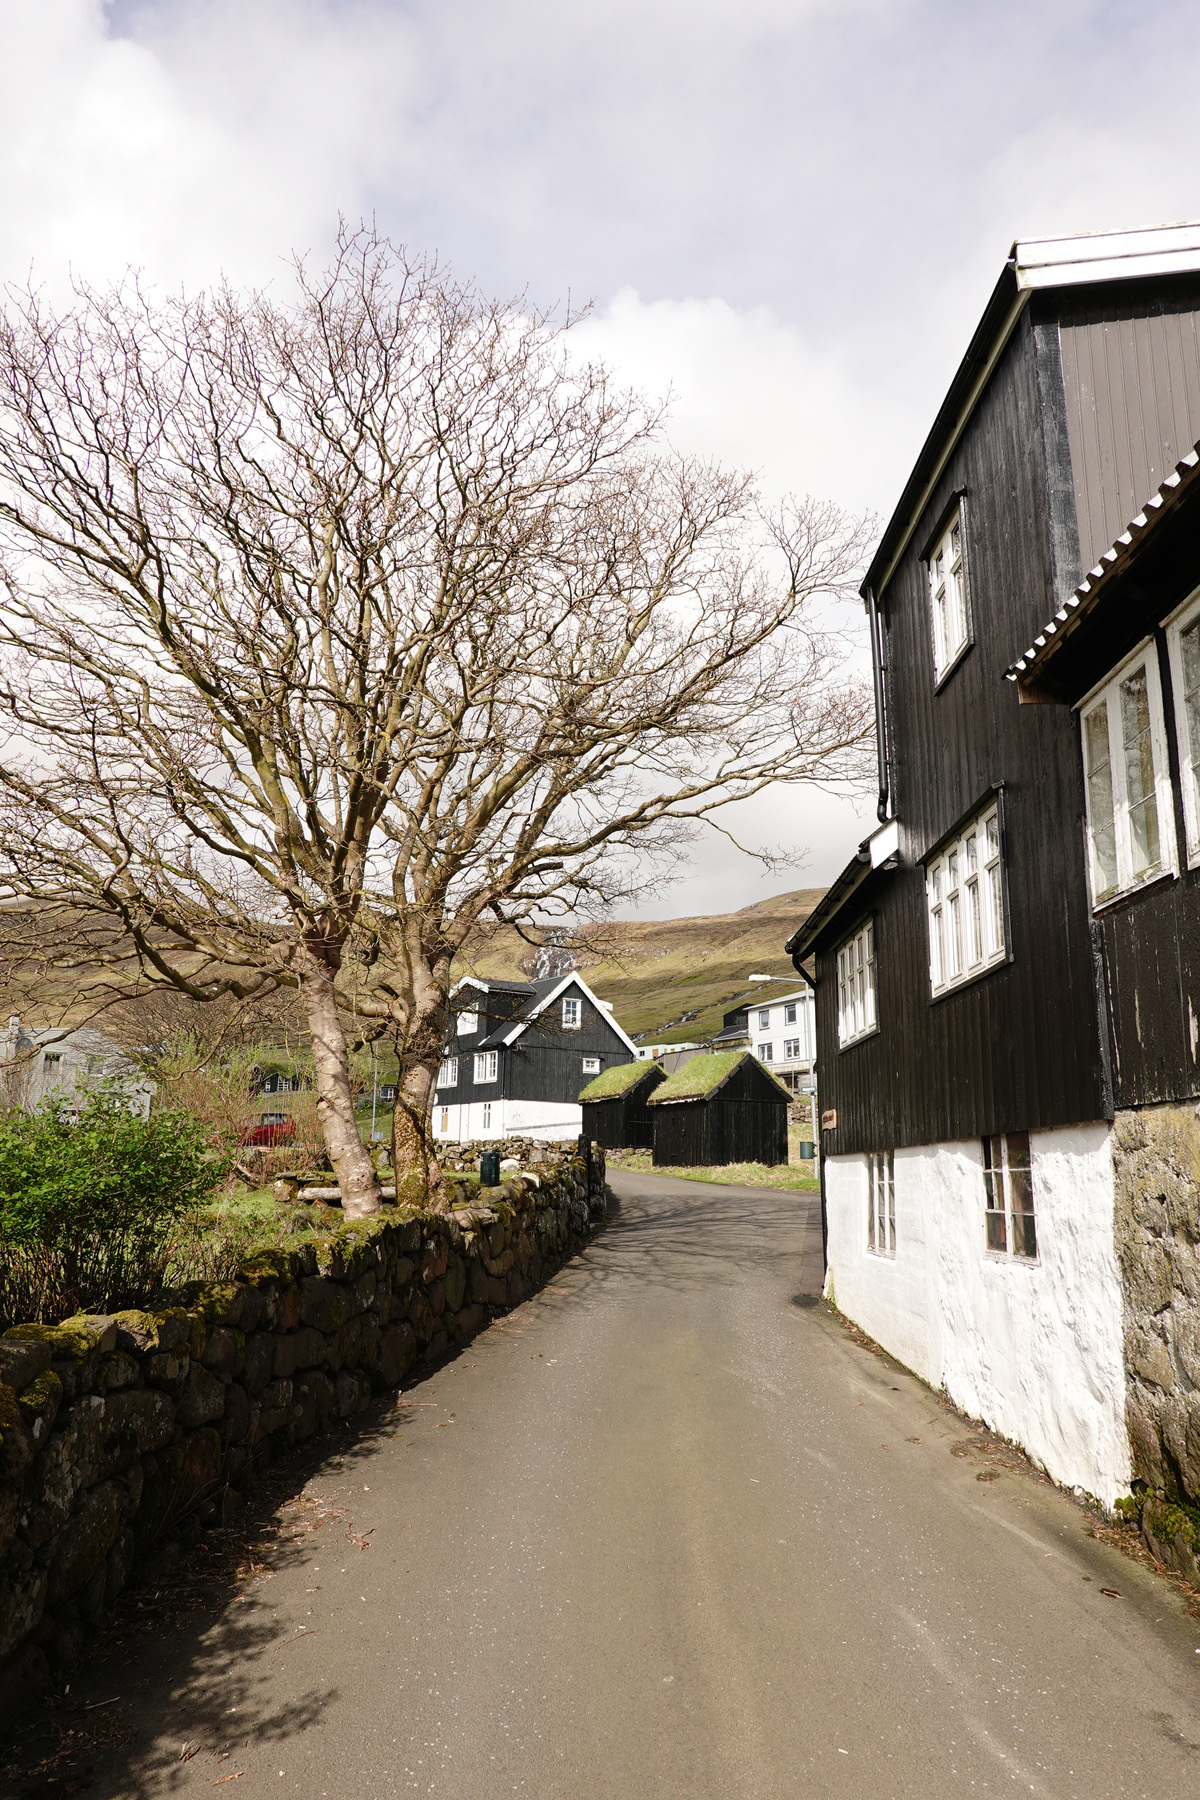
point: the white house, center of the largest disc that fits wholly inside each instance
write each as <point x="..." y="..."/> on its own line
<point x="53" y="1064"/>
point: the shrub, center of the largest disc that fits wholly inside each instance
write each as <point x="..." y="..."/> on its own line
<point x="96" y="1211"/>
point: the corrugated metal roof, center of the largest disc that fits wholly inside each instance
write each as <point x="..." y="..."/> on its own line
<point x="1098" y="580"/>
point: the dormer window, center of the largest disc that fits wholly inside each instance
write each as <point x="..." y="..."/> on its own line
<point x="571" y="1015"/>
<point x="948" y="597"/>
<point x="467" y="1023"/>
<point x="1129" y="810"/>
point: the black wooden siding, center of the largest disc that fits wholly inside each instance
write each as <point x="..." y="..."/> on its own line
<point x="625" y="1121"/>
<point x="544" y="1063"/>
<point x="1131" y="374"/>
<point x="1017" y="1048"/>
<point x="744" y="1121"/>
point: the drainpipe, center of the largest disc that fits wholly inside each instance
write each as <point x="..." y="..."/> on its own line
<point x="881" y="755"/>
<point x="804" y="974"/>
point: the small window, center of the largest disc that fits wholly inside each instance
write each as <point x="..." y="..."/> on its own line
<point x="791" y="1049"/>
<point x="1008" y="1196"/>
<point x="487" y="1063"/>
<point x="1131" y="839"/>
<point x="467" y="1023"/>
<point x="789" y="1015"/>
<point x="764" y="1018"/>
<point x="447" y="1074"/>
<point x="881" y="1204"/>
<point x="52" y="1059"/>
<point x="591" y="1065"/>
<point x="487" y="1115"/>
<point x="964" y="887"/>
<point x="856" y="986"/>
<point x="445" y="1120"/>
<point x="571" y="1015"/>
<point x="948" y="597"/>
<point x="766" y="1053"/>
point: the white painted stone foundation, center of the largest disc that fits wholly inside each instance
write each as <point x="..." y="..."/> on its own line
<point x="1032" y="1349"/>
<point x="554" y="1121"/>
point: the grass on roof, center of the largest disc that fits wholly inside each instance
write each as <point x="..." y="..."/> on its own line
<point x="693" y="1079"/>
<point x="617" y="1080"/>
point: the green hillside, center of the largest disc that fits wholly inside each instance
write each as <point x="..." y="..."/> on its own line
<point x="669" y="980"/>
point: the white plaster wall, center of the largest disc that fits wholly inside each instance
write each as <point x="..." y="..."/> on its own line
<point x="1033" y="1349"/>
<point x="555" y="1121"/>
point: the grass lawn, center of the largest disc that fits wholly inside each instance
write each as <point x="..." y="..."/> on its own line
<point x="792" y="1174"/>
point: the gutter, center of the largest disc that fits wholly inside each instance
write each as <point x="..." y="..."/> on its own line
<point x="881" y="754"/>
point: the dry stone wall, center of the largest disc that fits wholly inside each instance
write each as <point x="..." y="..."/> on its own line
<point x="122" y="1437"/>
<point x="1156" y="1162"/>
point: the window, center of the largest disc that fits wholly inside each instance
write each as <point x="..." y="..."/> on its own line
<point x="445" y="1120"/>
<point x="487" y="1063"/>
<point x="791" y="1049"/>
<point x="52" y="1059"/>
<point x="764" y="1018"/>
<point x="964" y="888"/>
<point x="487" y="1115"/>
<point x="1130" y="835"/>
<point x="591" y="1065"/>
<point x="1183" y="643"/>
<point x="570" y="1016"/>
<point x="856" y="986"/>
<point x="467" y="1023"/>
<point x="447" y="1074"/>
<point x="881" y="1204"/>
<point x="789" y="1015"/>
<point x="948" y="598"/>
<point x="1008" y="1196"/>
<point x="766" y="1053"/>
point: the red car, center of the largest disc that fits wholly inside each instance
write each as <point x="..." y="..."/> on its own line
<point x="279" y="1132"/>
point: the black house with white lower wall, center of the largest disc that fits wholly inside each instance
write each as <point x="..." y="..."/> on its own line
<point x="1007" y="974"/>
<point x="518" y="1056"/>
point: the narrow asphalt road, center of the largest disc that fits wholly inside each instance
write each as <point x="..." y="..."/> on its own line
<point x="668" y="1531"/>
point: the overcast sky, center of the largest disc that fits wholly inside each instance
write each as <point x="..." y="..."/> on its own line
<point x="790" y="211"/>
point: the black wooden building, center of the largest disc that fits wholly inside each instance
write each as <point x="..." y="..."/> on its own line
<point x="717" y="1109"/>
<point x="616" y="1113"/>
<point x="517" y="1055"/>
<point x="1007" y="972"/>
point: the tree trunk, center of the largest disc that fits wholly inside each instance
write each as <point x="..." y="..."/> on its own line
<point x="419" y="1051"/>
<point x="335" y="1097"/>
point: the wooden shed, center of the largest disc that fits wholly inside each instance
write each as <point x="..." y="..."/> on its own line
<point x="615" y="1111"/>
<point x="723" y="1108"/>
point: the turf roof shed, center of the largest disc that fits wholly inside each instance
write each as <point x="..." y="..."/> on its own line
<point x="615" y="1110"/>
<point x="719" y="1109"/>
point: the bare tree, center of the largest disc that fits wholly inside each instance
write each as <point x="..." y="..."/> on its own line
<point x="337" y="624"/>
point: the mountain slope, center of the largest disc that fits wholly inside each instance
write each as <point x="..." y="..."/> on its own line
<point x="669" y="979"/>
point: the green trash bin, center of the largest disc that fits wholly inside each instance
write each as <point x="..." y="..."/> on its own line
<point x="489" y="1169"/>
<point x="806" y="1150"/>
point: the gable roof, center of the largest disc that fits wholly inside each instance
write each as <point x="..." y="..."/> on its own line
<point x="704" y="1076"/>
<point x="621" y="1079"/>
<point x="546" y="994"/>
<point x="1032" y="263"/>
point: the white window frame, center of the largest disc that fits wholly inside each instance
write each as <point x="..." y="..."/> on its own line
<point x="1106" y="696"/>
<point x="468" y="1022"/>
<point x="949" y="595"/>
<point x="965" y="904"/>
<point x="858" y="1010"/>
<point x="881" y="1203"/>
<point x="487" y="1116"/>
<point x="591" y="1065"/>
<point x="791" y="1049"/>
<point x="445" y="1121"/>
<point x="764" y="1018"/>
<point x="448" y="1073"/>
<point x="572" y="1015"/>
<point x="487" y="1065"/>
<point x="1189" y="754"/>
<point x="1007" y="1158"/>
<point x="766" y="1052"/>
<point x="789" y="1014"/>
